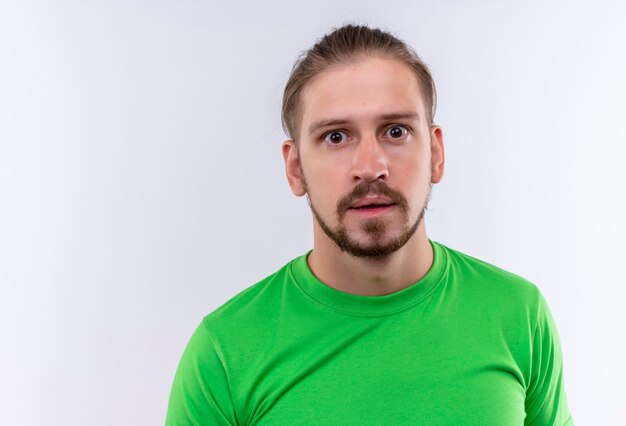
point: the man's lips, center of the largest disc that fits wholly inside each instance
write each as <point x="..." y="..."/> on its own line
<point x="372" y="211"/>
<point x="372" y="202"/>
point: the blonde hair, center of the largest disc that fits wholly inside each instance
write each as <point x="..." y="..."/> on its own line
<point x="343" y="45"/>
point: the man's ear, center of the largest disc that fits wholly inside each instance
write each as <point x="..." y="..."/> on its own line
<point x="437" y="153"/>
<point x="292" y="167"/>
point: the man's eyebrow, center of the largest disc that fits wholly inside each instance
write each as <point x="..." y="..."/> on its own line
<point x="326" y="123"/>
<point x="340" y="121"/>
<point x="400" y="116"/>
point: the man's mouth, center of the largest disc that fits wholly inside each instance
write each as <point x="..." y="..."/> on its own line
<point x="372" y="210"/>
<point x="372" y="206"/>
<point x="372" y="202"/>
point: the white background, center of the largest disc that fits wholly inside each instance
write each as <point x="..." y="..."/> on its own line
<point x="141" y="181"/>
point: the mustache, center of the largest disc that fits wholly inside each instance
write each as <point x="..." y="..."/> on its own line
<point x="377" y="187"/>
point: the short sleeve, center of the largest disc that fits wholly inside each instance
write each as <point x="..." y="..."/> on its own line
<point x="200" y="394"/>
<point x="546" y="402"/>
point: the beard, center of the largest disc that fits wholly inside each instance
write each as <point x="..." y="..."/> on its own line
<point x="376" y="229"/>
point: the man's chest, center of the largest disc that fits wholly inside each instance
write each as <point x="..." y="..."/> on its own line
<point x="383" y="377"/>
<point x="398" y="398"/>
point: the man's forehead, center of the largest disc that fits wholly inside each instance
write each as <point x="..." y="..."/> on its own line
<point x="370" y="89"/>
<point x="339" y="121"/>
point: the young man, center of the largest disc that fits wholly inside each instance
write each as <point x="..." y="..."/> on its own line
<point x="377" y="325"/>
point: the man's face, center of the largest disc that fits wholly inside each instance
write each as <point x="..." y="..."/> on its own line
<point x="364" y="155"/>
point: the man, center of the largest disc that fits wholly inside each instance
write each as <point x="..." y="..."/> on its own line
<point x="377" y="325"/>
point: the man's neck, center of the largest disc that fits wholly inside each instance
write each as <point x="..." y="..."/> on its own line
<point x="367" y="276"/>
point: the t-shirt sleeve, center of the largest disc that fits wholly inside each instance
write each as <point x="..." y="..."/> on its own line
<point x="200" y="392"/>
<point x="546" y="402"/>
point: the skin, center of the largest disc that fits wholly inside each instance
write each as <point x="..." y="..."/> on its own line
<point x="366" y="152"/>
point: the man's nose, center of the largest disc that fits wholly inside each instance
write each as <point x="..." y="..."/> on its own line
<point x="369" y="161"/>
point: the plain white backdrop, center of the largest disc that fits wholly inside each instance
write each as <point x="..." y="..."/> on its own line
<point x="142" y="185"/>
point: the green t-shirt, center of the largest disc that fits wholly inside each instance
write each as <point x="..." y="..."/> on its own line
<point x="469" y="344"/>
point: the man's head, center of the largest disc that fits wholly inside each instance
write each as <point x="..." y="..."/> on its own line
<point x="345" y="45"/>
<point x="358" y="108"/>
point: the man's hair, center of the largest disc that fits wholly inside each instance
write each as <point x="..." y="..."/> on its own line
<point x="344" y="45"/>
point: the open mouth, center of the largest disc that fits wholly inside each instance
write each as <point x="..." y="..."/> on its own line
<point x="372" y="211"/>
<point x="372" y="206"/>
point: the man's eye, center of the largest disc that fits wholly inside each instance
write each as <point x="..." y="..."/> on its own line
<point x="397" y="132"/>
<point x="335" y="137"/>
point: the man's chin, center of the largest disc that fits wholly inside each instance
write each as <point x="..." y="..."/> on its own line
<point x="370" y="252"/>
<point x="374" y="239"/>
<point x="363" y="244"/>
<point x="369" y="249"/>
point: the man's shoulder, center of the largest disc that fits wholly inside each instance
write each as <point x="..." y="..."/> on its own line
<point x="481" y="290"/>
<point x="254" y="302"/>
<point x="478" y="274"/>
